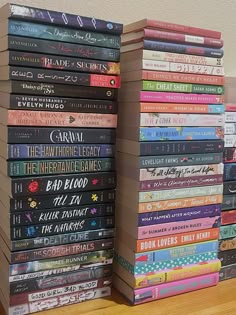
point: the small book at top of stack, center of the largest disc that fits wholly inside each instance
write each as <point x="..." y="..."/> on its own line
<point x="169" y="160"/>
<point x="59" y="75"/>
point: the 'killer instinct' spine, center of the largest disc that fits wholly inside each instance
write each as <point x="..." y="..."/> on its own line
<point x="43" y="103"/>
<point x="62" y="34"/>
<point x="21" y="43"/>
<point x="22" y="12"/>
<point x="65" y="166"/>
<point x="44" y="185"/>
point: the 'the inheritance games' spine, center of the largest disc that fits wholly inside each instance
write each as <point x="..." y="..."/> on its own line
<point x="17" y="11"/>
<point x="61" y="227"/>
<point x="48" y="167"/>
<point x="63" y="34"/>
<point x="44" y="185"/>
<point x="58" y="135"/>
<point x="21" y="43"/>
<point x="61" y="239"/>
<point x="61" y="77"/>
<point x="43" y="103"/>
<point x="63" y="63"/>
<point x="50" y="151"/>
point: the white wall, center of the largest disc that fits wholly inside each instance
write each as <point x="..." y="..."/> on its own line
<point x="218" y="15"/>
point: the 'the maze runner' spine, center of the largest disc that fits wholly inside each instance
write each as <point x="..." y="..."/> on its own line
<point x="50" y="281"/>
<point x="62" y="77"/>
<point x="59" y="63"/>
<point x="61" y="214"/>
<point x="60" y="104"/>
<point x="16" y="11"/>
<point x="21" y="43"/>
<point x="61" y="239"/>
<point x="48" y="167"/>
<point x="61" y="251"/>
<point x="85" y="260"/>
<point x="57" y="135"/>
<point x="62" y="227"/>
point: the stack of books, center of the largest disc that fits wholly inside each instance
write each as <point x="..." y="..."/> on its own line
<point x="169" y="161"/>
<point x="227" y="244"/>
<point x="60" y="75"/>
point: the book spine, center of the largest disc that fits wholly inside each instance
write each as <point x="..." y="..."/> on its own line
<point x="60" y="119"/>
<point x="178" y="227"/>
<point x="43" y="151"/>
<point x="62" y="48"/>
<point x="62" y="250"/>
<point x="63" y="227"/>
<point x="51" y="89"/>
<point x="229" y="171"/>
<point x="169" y="275"/>
<point x="230" y="107"/>
<point x="151" y="218"/>
<point x="49" y="167"/>
<point x="30" y="186"/>
<point x="180" y="193"/>
<point x="177" y="160"/>
<point x="164" y="120"/>
<point x="229" y="202"/>
<point x="43" y="103"/>
<point x="60" y="135"/>
<point x="174" y="288"/>
<point x="175" y="252"/>
<point x="227" y="231"/>
<point x="180" y="98"/>
<point x="184" y="68"/>
<point x="63" y="34"/>
<point x="186" y="238"/>
<point x="171" y="76"/>
<point x="180" y="147"/>
<point x="181" y="49"/>
<point x="182" y="38"/>
<point x="61" y="239"/>
<point x="61" y="200"/>
<point x="227" y="244"/>
<point x="146" y="174"/>
<point x="230" y="128"/>
<point x="228" y="272"/>
<point x="227" y="257"/>
<point x="181" y="108"/>
<point x="64" y="77"/>
<point x="229" y="188"/>
<point x="182" y="58"/>
<point x="62" y="300"/>
<point x="228" y="217"/>
<point x="229" y="141"/>
<point x="58" y="291"/>
<point x="28" y="59"/>
<point x="62" y="18"/>
<point x="61" y="214"/>
<point x="230" y="117"/>
<point x="180" y="133"/>
<point x="179" y="203"/>
<point x="229" y="155"/>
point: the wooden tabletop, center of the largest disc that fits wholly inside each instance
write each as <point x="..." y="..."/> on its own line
<point x="219" y="300"/>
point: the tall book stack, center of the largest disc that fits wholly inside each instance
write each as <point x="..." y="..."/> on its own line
<point x="227" y="245"/>
<point x="169" y="161"/>
<point x="58" y="113"/>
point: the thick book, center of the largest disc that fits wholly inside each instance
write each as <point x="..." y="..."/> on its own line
<point x="57" y="76"/>
<point x="27" y="13"/>
<point x="178" y="28"/>
<point x="164" y="36"/>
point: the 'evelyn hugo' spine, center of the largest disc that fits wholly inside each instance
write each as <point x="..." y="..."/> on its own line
<point x="59" y="135"/>
<point x="44" y="103"/>
<point x="63" y="63"/>
<point x="63" y="77"/>
<point x="49" y="151"/>
<point x="60" y="48"/>
<point x="62" y="34"/>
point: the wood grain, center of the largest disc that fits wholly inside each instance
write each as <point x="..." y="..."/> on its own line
<point x="219" y="300"/>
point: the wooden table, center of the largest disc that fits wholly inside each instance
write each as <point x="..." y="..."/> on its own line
<point x="219" y="300"/>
